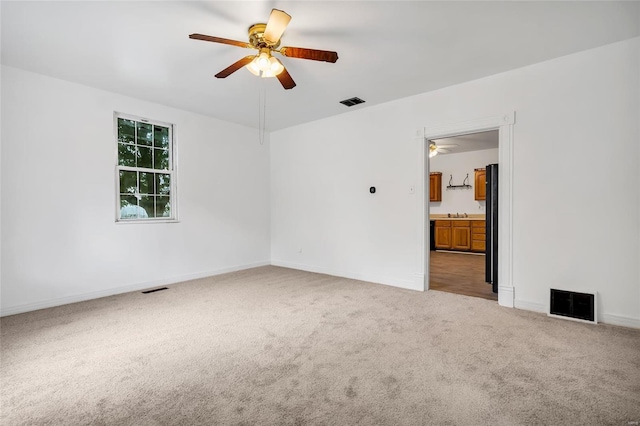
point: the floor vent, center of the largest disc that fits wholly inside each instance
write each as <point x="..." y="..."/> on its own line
<point x="573" y="305"/>
<point x="154" y="290"/>
<point x="351" y="102"/>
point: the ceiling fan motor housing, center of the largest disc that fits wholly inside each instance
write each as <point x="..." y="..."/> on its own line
<point x="256" y="37"/>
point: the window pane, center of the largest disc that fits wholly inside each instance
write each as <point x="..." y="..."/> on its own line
<point x="129" y="207"/>
<point x="161" y="159"/>
<point x="163" y="207"/>
<point x="128" y="182"/>
<point x="146" y="183"/>
<point x="128" y="200"/>
<point x="163" y="184"/>
<point x="145" y="137"/>
<point x="126" y="155"/>
<point x="160" y="137"/>
<point x="144" y="159"/>
<point x="126" y="131"/>
<point x="146" y="202"/>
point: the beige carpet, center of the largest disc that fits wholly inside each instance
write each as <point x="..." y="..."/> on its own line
<point x="278" y="346"/>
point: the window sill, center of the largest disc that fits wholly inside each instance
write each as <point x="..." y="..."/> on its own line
<point x="146" y="221"/>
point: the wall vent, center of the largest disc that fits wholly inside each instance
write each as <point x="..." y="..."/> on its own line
<point x="154" y="290"/>
<point x="573" y="305"/>
<point x="351" y="102"/>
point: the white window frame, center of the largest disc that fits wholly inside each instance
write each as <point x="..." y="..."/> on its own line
<point x="172" y="171"/>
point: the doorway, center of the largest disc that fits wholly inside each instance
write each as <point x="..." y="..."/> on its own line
<point x="504" y="125"/>
<point x="460" y="274"/>
<point x="457" y="213"/>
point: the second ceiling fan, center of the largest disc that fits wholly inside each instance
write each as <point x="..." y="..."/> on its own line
<point x="266" y="39"/>
<point x="434" y="149"/>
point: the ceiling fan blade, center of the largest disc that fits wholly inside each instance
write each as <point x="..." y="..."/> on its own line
<point x="447" y="146"/>
<point x="286" y="80"/>
<point x="278" y="21"/>
<point x="219" y="40"/>
<point x="235" y="66"/>
<point x="442" y="150"/>
<point x="313" y="54"/>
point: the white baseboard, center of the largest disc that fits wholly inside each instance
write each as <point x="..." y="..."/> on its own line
<point x="28" y="307"/>
<point x="419" y="283"/>
<point x="505" y="296"/>
<point x="409" y="284"/>
<point x="415" y="283"/>
<point x="620" y="320"/>
<point x="602" y="318"/>
<point x="530" y="306"/>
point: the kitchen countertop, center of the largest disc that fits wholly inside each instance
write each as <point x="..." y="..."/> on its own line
<point x="445" y="217"/>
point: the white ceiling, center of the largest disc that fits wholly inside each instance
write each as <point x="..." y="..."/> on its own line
<point x="471" y="142"/>
<point x="387" y="49"/>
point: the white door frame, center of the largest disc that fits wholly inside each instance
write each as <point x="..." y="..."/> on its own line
<point x="504" y="124"/>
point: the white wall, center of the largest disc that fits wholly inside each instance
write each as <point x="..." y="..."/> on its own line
<point x="575" y="156"/>
<point x="460" y="200"/>
<point x="60" y="242"/>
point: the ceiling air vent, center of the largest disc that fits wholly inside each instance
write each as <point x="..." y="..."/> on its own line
<point x="351" y="102"/>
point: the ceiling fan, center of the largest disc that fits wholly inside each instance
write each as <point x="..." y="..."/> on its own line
<point x="434" y="149"/>
<point x="265" y="38"/>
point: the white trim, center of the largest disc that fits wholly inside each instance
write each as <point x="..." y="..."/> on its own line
<point x="419" y="282"/>
<point x="602" y="318"/>
<point x="174" y="177"/>
<point x="506" y="295"/>
<point x="138" y="118"/>
<point x="468" y="127"/>
<point x="504" y="123"/>
<point x="505" y="209"/>
<point x="422" y="263"/>
<point x="28" y="307"/>
<point x="406" y="283"/>
<point x="145" y="170"/>
<point x="620" y="320"/>
<point x="149" y="220"/>
<point x="530" y="306"/>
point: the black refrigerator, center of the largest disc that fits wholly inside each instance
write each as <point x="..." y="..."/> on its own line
<point x="491" y="254"/>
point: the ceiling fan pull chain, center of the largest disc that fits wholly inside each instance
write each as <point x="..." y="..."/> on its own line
<point x="264" y="108"/>
<point x="262" y="111"/>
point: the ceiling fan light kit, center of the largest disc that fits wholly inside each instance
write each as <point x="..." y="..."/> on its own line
<point x="266" y="39"/>
<point x="264" y="65"/>
<point x="433" y="150"/>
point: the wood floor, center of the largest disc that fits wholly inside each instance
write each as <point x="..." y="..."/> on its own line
<point x="459" y="273"/>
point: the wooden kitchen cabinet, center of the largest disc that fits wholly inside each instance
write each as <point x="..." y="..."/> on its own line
<point x="435" y="186"/>
<point x="478" y="236"/>
<point x="443" y="234"/>
<point x="461" y="235"/>
<point x="480" y="185"/>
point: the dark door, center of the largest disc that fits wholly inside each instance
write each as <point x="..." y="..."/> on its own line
<point x="491" y="257"/>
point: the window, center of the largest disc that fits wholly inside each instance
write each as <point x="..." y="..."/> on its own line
<point x="145" y="170"/>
